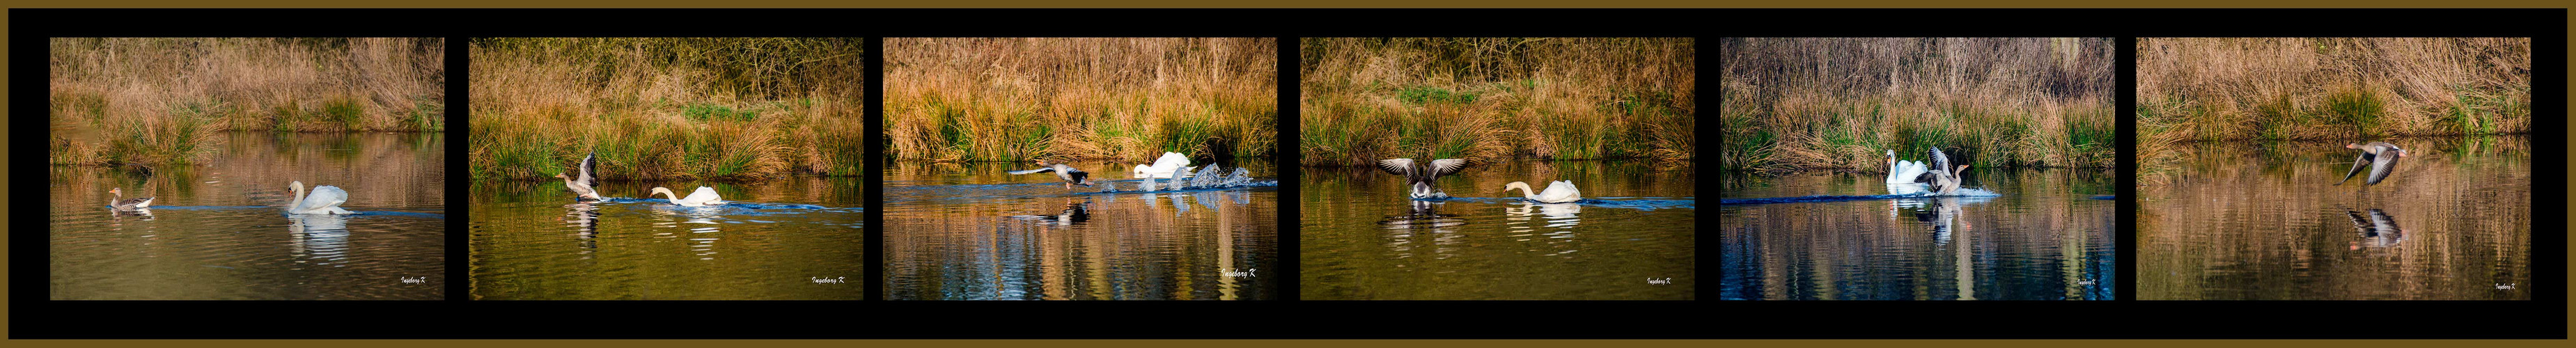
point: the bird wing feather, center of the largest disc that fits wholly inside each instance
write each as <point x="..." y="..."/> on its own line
<point x="2380" y="167"/>
<point x="1447" y="166"/>
<point x="1398" y="166"/>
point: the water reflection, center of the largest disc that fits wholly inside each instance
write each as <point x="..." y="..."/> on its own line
<point x="790" y="238"/>
<point x="215" y="228"/>
<point x="973" y="232"/>
<point x="1365" y="238"/>
<point x="2043" y="238"/>
<point x="2268" y="220"/>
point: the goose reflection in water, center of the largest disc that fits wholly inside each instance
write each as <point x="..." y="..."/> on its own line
<point x="1940" y="213"/>
<point x="584" y="219"/>
<point x="1424" y="216"/>
<point x="321" y="237"/>
<point x="1074" y="212"/>
<point x="2378" y="230"/>
<point x="119" y="215"/>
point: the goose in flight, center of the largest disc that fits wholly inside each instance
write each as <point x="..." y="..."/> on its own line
<point x="1902" y="172"/>
<point x="704" y="196"/>
<point x="1167" y="167"/>
<point x="1943" y="178"/>
<point x="1420" y="177"/>
<point x="120" y="203"/>
<point x="325" y="199"/>
<point x="2381" y="156"/>
<point x="1561" y="191"/>
<point x="583" y="179"/>
<point x="1071" y="176"/>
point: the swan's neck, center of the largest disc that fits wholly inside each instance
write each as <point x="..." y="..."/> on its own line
<point x="299" y="200"/>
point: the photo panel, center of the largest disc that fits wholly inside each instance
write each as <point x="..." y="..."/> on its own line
<point x="667" y="169"/>
<point x="1081" y="169"/>
<point x="1497" y="169"/>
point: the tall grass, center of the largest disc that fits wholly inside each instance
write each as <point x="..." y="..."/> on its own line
<point x="1481" y="99"/>
<point x="2317" y="89"/>
<point x="734" y="109"/>
<point x="158" y="100"/>
<point x="1841" y="103"/>
<point x="1131" y="99"/>
<point x="2216" y="89"/>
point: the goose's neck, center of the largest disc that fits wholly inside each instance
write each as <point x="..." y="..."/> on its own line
<point x="119" y="196"/>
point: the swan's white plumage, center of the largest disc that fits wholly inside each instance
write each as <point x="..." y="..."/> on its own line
<point x="1902" y="172"/>
<point x="1167" y="167"/>
<point x="1561" y="191"/>
<point x="704" y="196"/>
<point x="325" y="199"/>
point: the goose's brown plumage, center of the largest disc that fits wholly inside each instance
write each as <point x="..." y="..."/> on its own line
<point x="2381" y="158"/>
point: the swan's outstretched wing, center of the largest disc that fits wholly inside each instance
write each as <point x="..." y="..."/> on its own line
<point x="705" y="195"/>
<point x="1172" y="160"/>
<point x="1034" y="171"/>
<point x="2357" y="164"/>
<point x="1447" y="166"/>
<point x="1398" y="166"/>
<point x="2379" y="168"/>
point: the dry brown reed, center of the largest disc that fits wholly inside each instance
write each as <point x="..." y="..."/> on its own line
<point x="1483" y="99"/>
<point x="1841" y="103"/>
<point x="732" y="109"/>
<point x="158" y="100"/>
<point x="1011" y="99"/>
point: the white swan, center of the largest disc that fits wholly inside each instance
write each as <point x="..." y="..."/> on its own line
<point x="1902" y="172"/>
<point x="324" y="200"/>
<point x="126" y="204"/>
<point x="1167" y="167"/>
<point x="1561" y="191"/>
<point x="705" y="196"/>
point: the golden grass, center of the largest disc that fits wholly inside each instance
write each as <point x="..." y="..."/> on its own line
<point x="1484" y="99"/>
<point x="667" y="108"/>
<point x="1840" y="103"/>
<point x="1011" y="99"/>
<point x="158" y="100"/>
<point x="2324" y="89"/>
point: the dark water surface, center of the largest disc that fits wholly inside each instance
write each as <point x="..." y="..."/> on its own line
<point x="2044" y="237"/>
<point x="1365" y="239"/>
<point x="2248" y="220"/>
<point x="217" y="230"/>
<point x="973" y="232"/>
<point x="796" y="238"/>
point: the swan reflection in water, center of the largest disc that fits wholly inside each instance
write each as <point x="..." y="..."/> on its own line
<point x="321" y="237"/>
<point x="2378" y="230"/>
<point x="1558" y="218"/>
<point x="702" y="240"/>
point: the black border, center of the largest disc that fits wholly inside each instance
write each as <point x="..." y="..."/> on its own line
<point x="34" y="316"/>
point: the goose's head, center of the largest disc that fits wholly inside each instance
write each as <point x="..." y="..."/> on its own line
<point x="116" y="191"/>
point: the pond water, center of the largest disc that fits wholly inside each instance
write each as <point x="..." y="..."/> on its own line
<point x="974" y="232"/>
<point x="1363" y="238"/>
<point x="2044" y="236"/>
<point x="218" y="230"/>
<point x="796" y="238"/>
<point x="2268" y="220"/>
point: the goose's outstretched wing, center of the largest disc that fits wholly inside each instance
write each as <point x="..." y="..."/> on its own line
<point x="589" y="176"/>
<point x="1034" y="171"/>
<point x="1446" y="166"/>
<point x="2357" y="164"/>
<point x="1398" y="166"/>
<point x="2380" y="166"/>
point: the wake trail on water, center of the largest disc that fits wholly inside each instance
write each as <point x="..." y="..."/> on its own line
<point x="1965" y="192"/>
